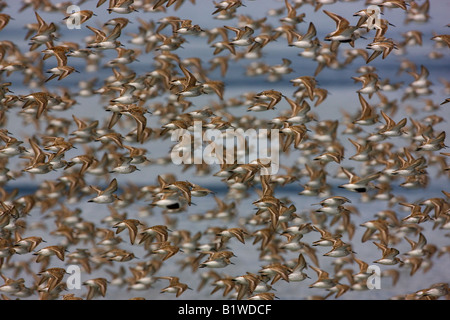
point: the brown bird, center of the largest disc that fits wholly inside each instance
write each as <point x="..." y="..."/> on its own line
<point x="238" y="233"/>
<point x="184" y="187"/>
<point x="40" y="99"/>
<point x="368" y="115"/>
<point x="97" y="286"/>
<point x="131" y="225"/>
<point x="344" y="31"/>
<point x="44" y="35"/>
<point x="443" y="39"/>
<point x="166" y="249"/>
<point x="175" y="286"/>
<point x="389" y="255"/>
<point x="49" y="251"/>
<point x="28" y="244"/>
<point x="4" y="20"/>
<point x="81" y="16"/>
<point x="381" y="46"/>
<point x="160" y="232"/>
<point x="138" y="114"/>
<point x="61" y="71"/>
<point x="107" y="195"/>
<point x="52" y="277"/>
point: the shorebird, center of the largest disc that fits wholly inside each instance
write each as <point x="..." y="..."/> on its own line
<point x="187" y="28"/>
<point x="238" y="233"/>
<point x="363" y="272"/>
<point x="169" y="200"/>
<point x="293" y="133"/>
<point x="166" y="249"/>
<point x="354" y="53"/>
<point x="292" y="17"/>
<point x="103" y="41"/>
<point x="306" y="83"/>
<point x="4" y="20"/>
<point x="97" y="286"/>
<point x="420" y="78"/>
<point x="381" y="46"/>
<point x="373" y="226"/>
<point x="124" y="167"/>
<point x="191" y="87"/>
<point x="40" y="98"/>
<point x="126" y="96"/>
<point x="433" y="143"/>
<point x="52" y="277"/>
<point x="109" y="239"/>
<point x="368" y="115"/>
<point x="71" y="296"/>
<point x="243" y="36"/>
<point x="109" y="137"/>
<point x="334" y="201"/>
<point x="44" y="33"/>
<point x="121" y="6"/>
<point x="297" y="269"/>
<point x="442" y="39"/>
<point x="303" y="41"/>
<point x="107" y="195"/>
<point x="339" y="249"/>
<point x="184" y="187"/>
<point x="158" y="232"/>
<point x="391" y="128"/>
<point x="414" y="263"/>
<point x="131" y="225"/>
<point x="214" y="86"/>
<point x="175" y="286"/>
<point x="277" y="271"/>
<point x="259" y="42"/>
<point x="217" y="259"/>
<point x="358" y="184"/>
<point x="389" y="255"/>
<point x="227" y="5"/>
<point x="47" y="252"/>
<point x="327" y="239"/>
<point x="80" y="16"/>
<point x="59" y="52"/>
<point x="370" y="83"/>
<point x="125" y="56"/>
<point x="263" y="296"/>
<point x="225" y="44"/>
<point x="11" y="286"/>
<point x="392" y="4"/>
<point x="246" y="284"/>
<point x="28" y="244"/>
<point x="417" y="248"/>
<point x="61" y="72"/>
<point x="223" y="283"/>
<point x="12" y="147"/>
<point x="86" y="160"/>
<point x="418" y="12"/>
<point x="435" y="291"/>
<point x="344" y="33"/>
<point x="323" y="279"/>
<point x="119" y="255"/>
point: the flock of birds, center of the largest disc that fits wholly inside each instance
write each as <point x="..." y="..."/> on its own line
<point x="82" y="158"/>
